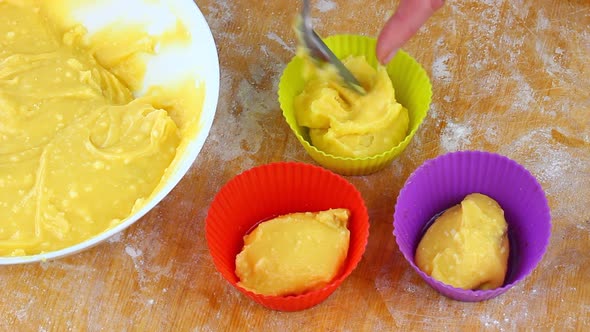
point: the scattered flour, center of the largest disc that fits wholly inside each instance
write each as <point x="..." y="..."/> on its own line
<point x="521" y="8"/>
<point x="488" y="84"/>
<point x="440" y="69"/>
<point x="495" y="3"/>
<point x="325" y="5"/>
<point x="455" y="137"/>
<point x="489" y="322"/>
<point x="115" y="238"/>
<point x="542" y="21"/>
<point x="524" y="95"/>
<point x="434" y="111"/>
<point x="551" y="163"/>
<point x="274" y="37"/>
<point x="132" y="252"/>
<point x="220" y="16"/>
<point x="507" y="312"/>
<point x="22" y="313"/>
<point x="491" y="133"/>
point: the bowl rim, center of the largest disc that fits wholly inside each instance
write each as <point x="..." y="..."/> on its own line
<point x="469" y="294"/>
<point x="194" y="148"/>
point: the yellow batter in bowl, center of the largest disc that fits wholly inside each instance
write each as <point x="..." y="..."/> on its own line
<point x="78" y="153"/>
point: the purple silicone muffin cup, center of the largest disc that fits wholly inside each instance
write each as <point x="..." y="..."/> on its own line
<point x="444" y="181"/>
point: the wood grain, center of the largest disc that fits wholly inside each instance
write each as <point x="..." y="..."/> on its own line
<point x="511" y="77"/>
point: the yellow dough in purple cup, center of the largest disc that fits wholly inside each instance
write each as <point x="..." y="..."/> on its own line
<point x="467" y="246"/>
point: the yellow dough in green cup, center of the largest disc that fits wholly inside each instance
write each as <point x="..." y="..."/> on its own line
<point x="344" y="123"/>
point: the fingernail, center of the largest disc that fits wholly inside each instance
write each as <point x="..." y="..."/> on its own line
<point x="390" y="56"/>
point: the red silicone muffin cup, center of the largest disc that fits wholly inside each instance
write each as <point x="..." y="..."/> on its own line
<point x="275" y="189"/>
<point x="444" y="181"/>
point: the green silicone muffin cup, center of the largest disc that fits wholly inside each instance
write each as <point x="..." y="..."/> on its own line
<point x="412" y="89"/>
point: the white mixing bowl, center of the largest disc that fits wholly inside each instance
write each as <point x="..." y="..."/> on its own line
<point x="167" y="65"/>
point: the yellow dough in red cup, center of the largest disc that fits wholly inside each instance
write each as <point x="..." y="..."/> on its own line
<point x="294" y="253"/>
<point x="321" y="198"/>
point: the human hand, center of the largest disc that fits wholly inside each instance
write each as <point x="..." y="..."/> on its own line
<point x="403" y="24"/>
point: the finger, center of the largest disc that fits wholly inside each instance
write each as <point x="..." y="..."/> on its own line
<point x="408" y="18"/>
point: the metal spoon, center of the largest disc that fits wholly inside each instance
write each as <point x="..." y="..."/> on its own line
<point x="320" y="52"/>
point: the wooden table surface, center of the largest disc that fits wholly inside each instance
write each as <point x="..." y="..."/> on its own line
<point x="511" y="77"/>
